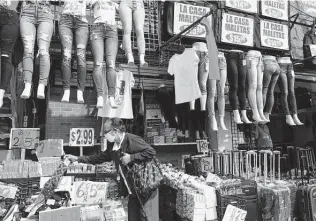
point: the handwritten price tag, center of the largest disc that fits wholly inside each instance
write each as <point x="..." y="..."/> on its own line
<point x="24" y="138"/>
<point x="50" y="148"/>
<point x="89" y="193"/>
<point x="81" y="137"/>
<point x="233" y="213"/>
<point x="8" y="192"/>
<point x="202" y="146"/>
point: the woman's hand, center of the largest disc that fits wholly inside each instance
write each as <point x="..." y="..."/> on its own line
<point x="126" y="159"/>
<point x="72" y="158"/>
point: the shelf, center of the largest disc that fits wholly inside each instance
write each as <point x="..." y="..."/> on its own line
<point x="6" y="115"/>
<point x="174" y="144"/>
<point x="305" y="110"/>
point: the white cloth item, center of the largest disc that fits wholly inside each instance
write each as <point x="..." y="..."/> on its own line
<point x="116" y="146"/>
<point x="5" y="3"/>
<point x="123" y="97"/>
<point x="104" y="11"/>
<point x="76" y="8"/>
<point x="184" y="67"/>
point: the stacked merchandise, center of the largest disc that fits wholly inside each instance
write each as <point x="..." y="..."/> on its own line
<point x="161" y="133"/>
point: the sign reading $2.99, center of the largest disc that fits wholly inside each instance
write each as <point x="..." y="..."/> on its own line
<point x="80" y="137"/>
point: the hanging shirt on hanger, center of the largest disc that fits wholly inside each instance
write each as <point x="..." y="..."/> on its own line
<point x="184" y="67"/>
<point x="123" y="97"/>
<point x="212" y="49"/>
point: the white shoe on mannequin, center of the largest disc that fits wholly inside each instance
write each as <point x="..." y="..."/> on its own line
<point x="214" y="123"/>
<point x="130" y="59"/>
<point x="112" y="102"/>
<point x="222" y="123"/>
<point x="197" y="135"/>
<point x="296" y="120"/>
<point x="41" y="91"/>
<point x="244" y="117"/>
<point x="1" y="97"/>
<point x="142" y="61"/>
<point x="100" y="102"/>
<point x="65" y="98"/>
<point x="80" y="99"/>
<point x="255" y="116"/>
<point x="262" y="116"/>
<point x="237" y="117"/>
<point x="27" y="91"/>
<point x="289" y="120"/>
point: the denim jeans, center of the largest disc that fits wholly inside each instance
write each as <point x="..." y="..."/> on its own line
<point x="236" y="75"/>
<point x="203" y="70"/>
<point x="255" y="78"/>
<point x="286" y="84"/>
<point x="70" y="27"/>
<point x="270" y="78"/>
<point x="9" y="32"/>
<point x="99" y="33"/>
<point x="36" y="21"/>
<point x="221" y="84"/>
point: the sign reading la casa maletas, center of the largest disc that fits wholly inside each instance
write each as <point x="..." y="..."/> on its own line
<point x="277" y="9"/>
<point x="238" y="30"/>
<point x="250" y="6"/>
<point x="184" y="15"/>
<point x="274" y="35"/>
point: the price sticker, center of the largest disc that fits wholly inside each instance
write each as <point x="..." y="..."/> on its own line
<point x="233" y="213"/>
<point x="202" y="146"/>
<point x="50" y="148"/>
<point x="24" y="138"/>
<point x="8" y="192"/>
<point x="81" y="137"/>
<point x="89" y="193"/>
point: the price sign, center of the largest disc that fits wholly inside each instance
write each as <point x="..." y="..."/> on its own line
<point x="8" y="192"/>
<point x="202" y="146"/>
<point x="89" y="193"/>
<point x="81" y="137"/>
<point x="233" y="213"/>
<point x="24" y="138"/>
<point x="50" y="148"/>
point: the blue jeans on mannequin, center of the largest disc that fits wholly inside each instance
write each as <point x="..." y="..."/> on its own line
<point x="104" y="37"/>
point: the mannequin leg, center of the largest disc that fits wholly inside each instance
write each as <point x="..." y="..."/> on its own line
<point x="192" y="105"/>
<point x="97" y="46"/>
<point x="242" y="76"/>
<point x="252" y="75"/>
<point x="211" y="103"/>
<point x="259" y="90"/>
<point x="45" y="32"/>
<point x="139" y="19"/>
<point x="221" y="93"/>
<point x="28" y="33"/>
<point x="66" y="38"/>
<point x="82" y="36"/>
<point x="203" y="73"/>
<point x="111" y="45"/>
<point x="126" y="16"/>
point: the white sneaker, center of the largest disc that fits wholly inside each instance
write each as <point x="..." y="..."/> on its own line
<point x="41" y="91"/>
<point x="27" y="91"/>
<point x="80" y="99"/>
<point x="66" y="96"/>
<point x="100" y="102"/>
<point x="1" y="97"/>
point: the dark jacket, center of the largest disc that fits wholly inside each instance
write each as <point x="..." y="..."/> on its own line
<point x="309" y="39"/>
<point x="133" y="145"/>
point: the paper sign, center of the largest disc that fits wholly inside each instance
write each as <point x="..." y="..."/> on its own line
<point x="65" y="184"/>
<point x="81" y="137"/>
<point x="50" y="148"/>
<point x="274" y="35"/>
<point x="8" y="192"/>
<point x="238" y="30"/>
<point x="24" y="138"/>
<point x="89" y="193"/>
<point x="202" y="146"/>
<point x="276" y="9"/>
<point x="243" y="5"/>
<point x="233" y="213"/>
<point x="185" y="15"/>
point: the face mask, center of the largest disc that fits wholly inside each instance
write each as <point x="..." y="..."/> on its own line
<point x="110" y="137"/>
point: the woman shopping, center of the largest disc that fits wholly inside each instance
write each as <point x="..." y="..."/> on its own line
<point x="127" y="150"/>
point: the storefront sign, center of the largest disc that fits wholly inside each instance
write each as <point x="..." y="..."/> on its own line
<point x="274" y="35"/>
<point x="237" y="30"/>
<point x="81" y="137"/>
<point x="233" y="213"/>
<point x="277" y="9"/>
<point x="24" y="138"/>
<point x="243" y="5"/>
<point x="50" y="148"/>
<point x="184" y="15"/>
<point x="8" y="192"/>
<point x="89" y="193"/>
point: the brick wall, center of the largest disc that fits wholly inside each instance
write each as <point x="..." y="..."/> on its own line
<point x="63" y="116"/>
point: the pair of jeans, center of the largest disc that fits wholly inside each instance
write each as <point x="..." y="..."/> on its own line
<point x="271" y="75"/>
<point x="286" y="84"/>
<point x="9" y="32"/>
<point x="167" y="105"/>
<point x="104" y="37"/>
<point x="236" y="69"/>
<point x="70" y="27"/>
<point x="36" y="21"/>
<point x="197" y="118"/>
<point x="133" y="11"/>
<point x="203" y="70"/>
<point x="255" y="79"/>
<point x="183" y="116"/>
<point x="221" y="83"/>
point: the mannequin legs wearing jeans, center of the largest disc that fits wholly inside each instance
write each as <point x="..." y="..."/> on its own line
<point x="9" y="31"/>
<point x="270" y="78"/>
<point x="286" y="84"/>
<point x="99" y="33"/>
<point x="255" y="79"/>
<point x="133" y="10"/>
<point x="236" y="75"/>
<point x="221" y="89"/>
<point x="36" y="21"/>
<point x="70" y="27"/>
